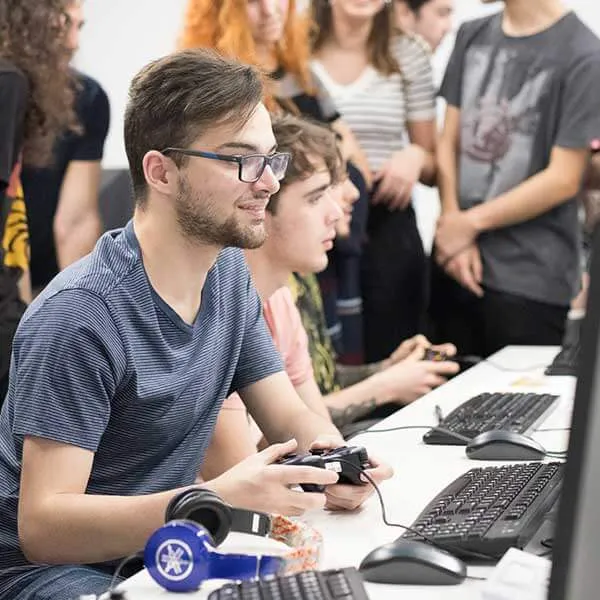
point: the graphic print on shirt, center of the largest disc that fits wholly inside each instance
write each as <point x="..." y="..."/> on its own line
<point x="501" y="111"/>
<point x="15" y="237"/>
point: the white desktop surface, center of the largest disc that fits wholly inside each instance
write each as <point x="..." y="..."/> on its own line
<point x="420" y="472"/>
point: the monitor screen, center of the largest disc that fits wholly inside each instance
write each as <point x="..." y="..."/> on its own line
<point x="576" y="548"/>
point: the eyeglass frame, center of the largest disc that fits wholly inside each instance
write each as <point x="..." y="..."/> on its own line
<point x="235" y="158"/>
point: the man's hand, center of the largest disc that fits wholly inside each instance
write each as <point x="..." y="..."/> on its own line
<point x="258" y="484"/>
<point x="418" y="343"/>
<point x="466" y="268"/>
<point x="411" y="378"/>
<point x="350" y="497"/>
<point x="455" y="232"/>
<point x="398" y="177"/>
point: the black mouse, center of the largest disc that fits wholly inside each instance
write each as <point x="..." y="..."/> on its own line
<point x="504" y="445"/>
<point x="412" y="563"/>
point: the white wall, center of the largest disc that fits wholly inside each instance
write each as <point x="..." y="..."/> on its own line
<point x="122" y="35"/>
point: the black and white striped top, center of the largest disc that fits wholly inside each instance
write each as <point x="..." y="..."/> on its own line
<point x="378" y="107"/>
<point x="101" y="362"/>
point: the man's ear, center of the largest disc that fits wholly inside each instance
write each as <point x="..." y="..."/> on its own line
<point x="161" y="173"/>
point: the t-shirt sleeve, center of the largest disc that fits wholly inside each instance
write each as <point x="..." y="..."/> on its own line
<point x="284" y="321"/>
<point x="13" y="97"/>
<point x="417" y="75"/>
<point x="579" y="120"/>
<point x="94" y="114"/>
<point x="259" y="358"/>
<point x="451" y="88"/>
<point x="326" y="102"/>
<point x="68" y="362"/>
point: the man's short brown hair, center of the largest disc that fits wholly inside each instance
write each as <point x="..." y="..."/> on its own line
<point x="175" y="99"/>
<point x="307" y="142"/>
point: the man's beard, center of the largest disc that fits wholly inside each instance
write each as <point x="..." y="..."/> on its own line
<point x="198" y="222"/>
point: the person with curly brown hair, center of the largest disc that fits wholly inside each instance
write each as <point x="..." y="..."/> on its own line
<point x="35" y="104"/>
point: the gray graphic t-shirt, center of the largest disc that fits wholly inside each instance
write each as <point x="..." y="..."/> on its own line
<point x="520" y="97"/>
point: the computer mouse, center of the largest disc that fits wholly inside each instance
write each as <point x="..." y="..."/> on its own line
<point x="504" y="445"/>
<point x="412" y="563"/>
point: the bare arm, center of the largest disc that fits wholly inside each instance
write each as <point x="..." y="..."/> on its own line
<point x="57" y="519"/>
<point x="282" y="415"/>
<point x="231" y="443"/>
<point x="559" y="182"/>
<point x="311" y="395"/>
<point x="422" y="135"/>
<point x="77" y="220"/>
<point x="447" y="174"/>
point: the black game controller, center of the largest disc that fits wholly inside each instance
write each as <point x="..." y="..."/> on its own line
<point x="435" y="355"/>
<point x="346" y="461"/>
<point x="308" y="460"/>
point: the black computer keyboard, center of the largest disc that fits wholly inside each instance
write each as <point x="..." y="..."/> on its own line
<point x="566" y="362"/>
<point x="335" y="584"/>
<point x="516" y="412"/>
<point x="489" y="510"/>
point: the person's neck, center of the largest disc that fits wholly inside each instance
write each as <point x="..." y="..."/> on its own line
<point x="350" y="35"/>
<point x="528" y="17"/>
<point x="268" y="276"/>
<point x="176" y="267"/>
<point x="266" y="57"/>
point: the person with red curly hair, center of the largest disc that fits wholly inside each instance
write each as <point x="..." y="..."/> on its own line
<point x="275" y="36"/>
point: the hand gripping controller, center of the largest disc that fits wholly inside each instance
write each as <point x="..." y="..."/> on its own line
<point x="346" y="461"/>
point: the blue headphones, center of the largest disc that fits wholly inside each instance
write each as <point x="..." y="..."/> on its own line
<point x="182" y="553"/>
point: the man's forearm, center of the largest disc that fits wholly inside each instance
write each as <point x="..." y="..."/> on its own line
<point x="447" y="176"/>
<point x="532" y="198"/>
<point x="74" y="242"/>
<point x="351" y="374"/>
<point x="352" y="403"/>
<point x="86" y="528"/>
<point x="305" y="427"/>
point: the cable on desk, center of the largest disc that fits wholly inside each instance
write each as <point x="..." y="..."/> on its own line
<point x="426" y="538"/>
<point x="114" y="594"/>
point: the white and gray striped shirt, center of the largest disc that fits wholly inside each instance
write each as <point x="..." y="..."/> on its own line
<point x="377" y="107"/>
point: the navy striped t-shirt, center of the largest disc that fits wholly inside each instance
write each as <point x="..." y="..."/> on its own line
<point x="101" y="362"/>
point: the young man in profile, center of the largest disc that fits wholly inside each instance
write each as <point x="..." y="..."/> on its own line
<point x="121" y="364"/>
<point x="522" y="88"/>
<point x="301" y="223"/>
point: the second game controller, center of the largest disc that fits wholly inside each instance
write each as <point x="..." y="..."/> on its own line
<point x="435" y="355"/>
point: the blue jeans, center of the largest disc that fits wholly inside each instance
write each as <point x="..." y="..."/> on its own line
<point x="67" y="582"/>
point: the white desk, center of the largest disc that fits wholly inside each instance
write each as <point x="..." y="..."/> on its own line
<point x="421" y="471"/>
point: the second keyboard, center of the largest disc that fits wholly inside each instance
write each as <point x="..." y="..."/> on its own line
<point x="516" y="412"/>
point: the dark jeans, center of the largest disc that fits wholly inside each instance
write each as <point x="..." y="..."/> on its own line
<point x="58" y="583"/>
<point x="394" y="281"/>
<point x="482" y="326"/>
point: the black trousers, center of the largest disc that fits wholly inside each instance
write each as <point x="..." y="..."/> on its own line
<point x="394" y="281"/>
<point x="482" y="326"/>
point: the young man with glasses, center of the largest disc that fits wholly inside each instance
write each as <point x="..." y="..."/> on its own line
<point x="121" y="364"/>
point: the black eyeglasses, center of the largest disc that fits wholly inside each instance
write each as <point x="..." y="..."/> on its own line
<point x="250" y="166"/>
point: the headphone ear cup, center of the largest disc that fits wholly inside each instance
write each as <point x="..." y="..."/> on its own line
<point x="177" y="556"/>
<point x="204" y="507"/>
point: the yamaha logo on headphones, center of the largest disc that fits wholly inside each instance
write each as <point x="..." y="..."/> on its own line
<point x="174" y="560"/>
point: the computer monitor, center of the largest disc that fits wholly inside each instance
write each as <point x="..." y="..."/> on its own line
<point x="576" y="548"/>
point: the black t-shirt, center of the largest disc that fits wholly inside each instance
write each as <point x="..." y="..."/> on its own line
<point x="318" y="106"/>
<point x="42" y="186"/>
<point x="14" y="91"/>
